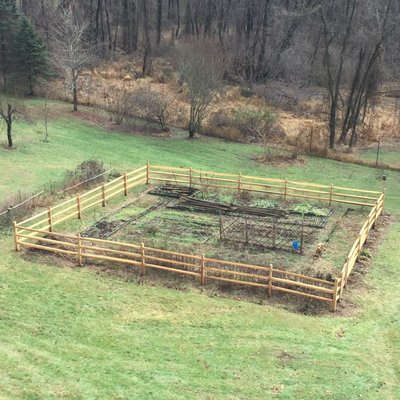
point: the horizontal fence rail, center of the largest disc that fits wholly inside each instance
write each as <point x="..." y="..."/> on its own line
<point x="37" y="232"/>
<point x="281" y="187"/>
<point x="75" y="206"/>
<point x="357" y="247"/>
<point x="202" y="268"/>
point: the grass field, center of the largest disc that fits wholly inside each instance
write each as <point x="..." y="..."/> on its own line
<point x="75" y="334"/>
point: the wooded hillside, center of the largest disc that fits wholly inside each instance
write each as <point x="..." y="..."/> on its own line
<point x="347" y="47"/>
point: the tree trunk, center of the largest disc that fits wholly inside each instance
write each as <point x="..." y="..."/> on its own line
<point x="159" y="21"/>
<point x="9" y="131"/>
<point x="75" y="90"/>
<point x="178" y="18"/>
<point x="147" y="64"/>
<point x="193" y="125"/>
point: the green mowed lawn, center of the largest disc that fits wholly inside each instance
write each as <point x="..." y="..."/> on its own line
<point x="388" y="154"/>
<point x="77" y="334"/>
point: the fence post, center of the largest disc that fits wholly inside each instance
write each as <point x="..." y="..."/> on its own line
<point x="239" y="182"/>
<point x="142" y="259"/>
<point x="78" y="205"/>
<point x="346" y="272"/>
<point x="202" y="266"/>
<point x="342" y="282"/>
<point x="271" y="267"/>
<point x="376" y="214"/>
<point x="16" y="236"/>
<point x="80" y="263"/>
<point x="334" y="300"/>
<point x="103" y="195"/>
<point x="49" y="219"/>
<point x="190" y="177"/>
<point x="330" y="195"/>
<point x="147" y="173"/>
<point x="125" y="185"/>
<point x="359" y="247"/>
<point x="285" y="193"/>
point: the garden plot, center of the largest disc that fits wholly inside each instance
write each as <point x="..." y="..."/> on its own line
<point x="245" y="228"/>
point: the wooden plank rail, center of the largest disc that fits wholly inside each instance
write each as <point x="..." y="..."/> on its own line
<point x="247" y="183"/>
<point x="83" y="249"/>
<point x="31" y="233"/>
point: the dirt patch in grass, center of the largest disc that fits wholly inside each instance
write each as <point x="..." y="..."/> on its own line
<point x="285" y="357"/>
<point x="281" y="160"/>
<point x="93" y="116"/>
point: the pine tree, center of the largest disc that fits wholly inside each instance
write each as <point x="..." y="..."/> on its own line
<point x="29" y="55"/>
<point x="8" y="20"/>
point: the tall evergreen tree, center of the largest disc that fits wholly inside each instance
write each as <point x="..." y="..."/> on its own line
<point x="8" y="20"/>
<point x="29" y="55"/>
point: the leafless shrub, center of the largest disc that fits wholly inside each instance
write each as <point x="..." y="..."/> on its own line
<point x="84" y="172"/>
<point x="221" y="124"/>
<point x="311" y="140"/>
<point x="145" y="104"/>
<point x="149" y="105"/>
<point x="117" y="105"/>
<point x="257" y="125"/>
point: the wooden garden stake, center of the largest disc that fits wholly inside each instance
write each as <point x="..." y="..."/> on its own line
<point x="202" y="266"/>
<point x="142" y="259"/>
<point x="103" y="194"/>
<point x="49" y="219"/>
<point x="330" y="195"/>
<point x="78" y="205"/>
<point x="147" y="173"/>
<point x="80" y="263"/>
<point x="125" y="185"/>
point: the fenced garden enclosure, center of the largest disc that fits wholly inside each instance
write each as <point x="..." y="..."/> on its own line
<point x="39" y="231"/>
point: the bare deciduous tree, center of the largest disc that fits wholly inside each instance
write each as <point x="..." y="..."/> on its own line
<point x="336" y="41"/>
<point x="201" y="66"/>
<point x="9" y="108"/>
<point x="72" y="50"/>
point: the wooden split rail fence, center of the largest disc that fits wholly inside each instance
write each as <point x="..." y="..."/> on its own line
<point x="38" y="233"/>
